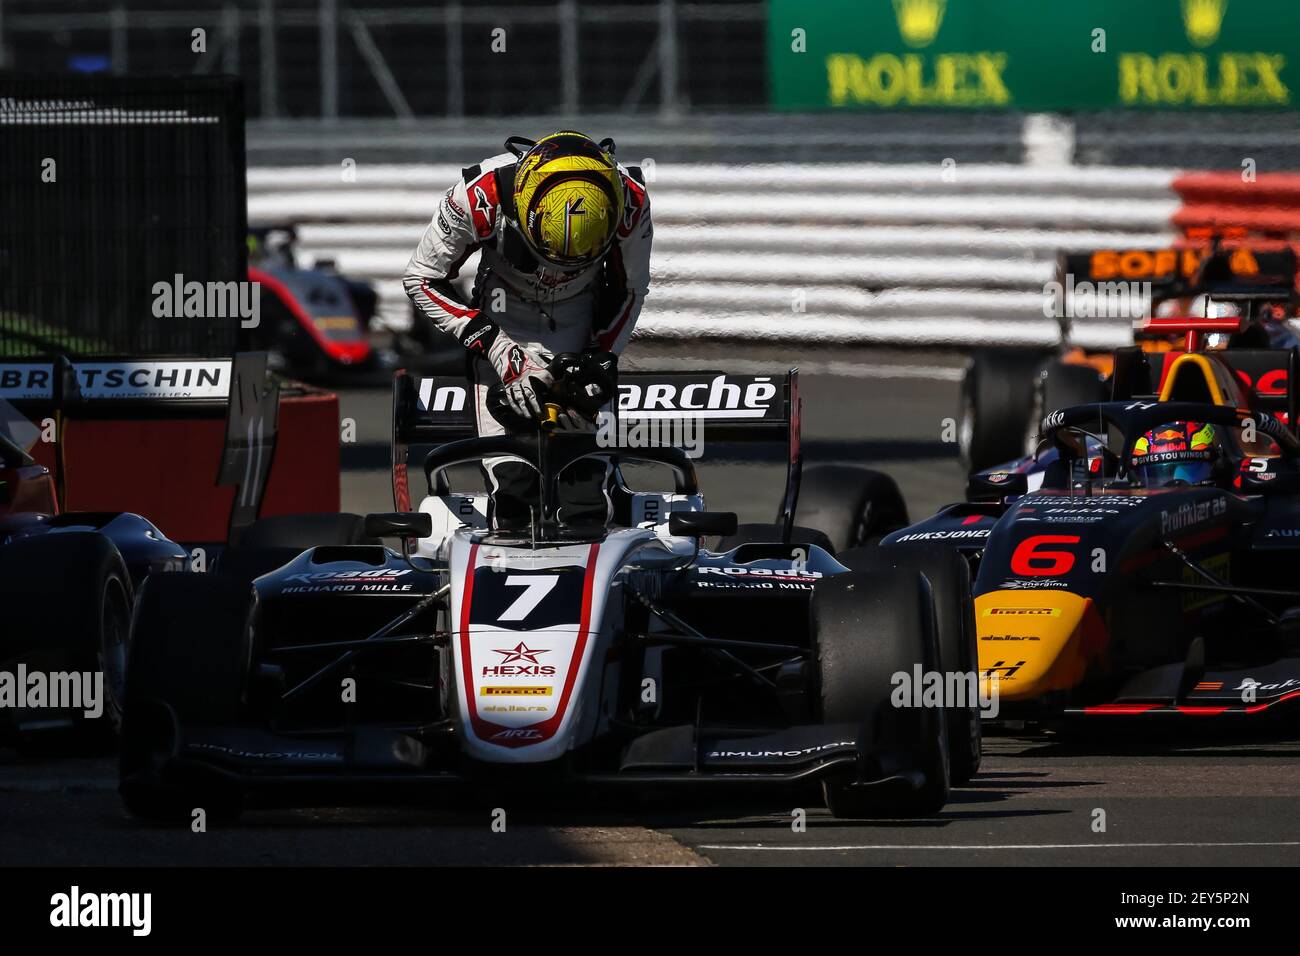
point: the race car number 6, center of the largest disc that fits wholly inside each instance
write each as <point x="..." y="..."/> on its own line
<point x="1032" y="550"/>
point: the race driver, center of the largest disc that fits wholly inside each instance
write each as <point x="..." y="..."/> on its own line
<point x="563" y="234"/>
<point x="1177" y="453"/>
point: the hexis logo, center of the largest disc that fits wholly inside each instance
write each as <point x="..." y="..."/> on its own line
<point x="520" y="661"/>
<point x="521" y="652"/>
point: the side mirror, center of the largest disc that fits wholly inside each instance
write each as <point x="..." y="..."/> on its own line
<point x="399" y="524"/>
<point x="697" y="523"/>
<point x="994" y="486"/>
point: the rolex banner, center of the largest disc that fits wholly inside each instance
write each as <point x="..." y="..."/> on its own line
<point x="1013" y="54"/>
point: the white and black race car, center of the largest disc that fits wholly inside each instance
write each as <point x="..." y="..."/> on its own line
<point x="349" y="672"/>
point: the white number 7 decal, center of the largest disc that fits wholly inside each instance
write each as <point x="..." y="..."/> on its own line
<point x="536" y="586"/>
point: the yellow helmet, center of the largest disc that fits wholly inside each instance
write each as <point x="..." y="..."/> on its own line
<point x="568" y="199"/>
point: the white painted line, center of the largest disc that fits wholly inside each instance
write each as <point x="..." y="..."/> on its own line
<point x="834" y="367"/>
<point x="69" y="784"/>
<point x="853" y="370"/>
<point x="995" y="846"/>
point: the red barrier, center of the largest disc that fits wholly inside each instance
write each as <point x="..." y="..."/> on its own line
<point x="1222" y="218"/>
<point x="305" y="473"/>
<point x="166" y="469"/>
<point x="1224" y="204"/>
<point x="1267" y="189"/>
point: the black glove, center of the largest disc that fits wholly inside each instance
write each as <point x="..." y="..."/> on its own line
<point x="584" y="382"/>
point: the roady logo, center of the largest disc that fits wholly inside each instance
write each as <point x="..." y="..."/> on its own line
<point x="381" y="575"/>
<point x="379" y="579"/>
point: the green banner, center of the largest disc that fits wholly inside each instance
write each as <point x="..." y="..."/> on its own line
<point x="1034" y="54"/>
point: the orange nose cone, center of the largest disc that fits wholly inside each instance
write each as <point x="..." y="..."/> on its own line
<point x="1034" y="642"/>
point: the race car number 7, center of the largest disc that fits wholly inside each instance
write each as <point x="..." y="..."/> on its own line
<point x="536" y="587"/>
<point x="1034" y="558"/>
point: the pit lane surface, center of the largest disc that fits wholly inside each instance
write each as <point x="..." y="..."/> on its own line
<point x="1215" y="802"/>
<point x="1226" y="803"/>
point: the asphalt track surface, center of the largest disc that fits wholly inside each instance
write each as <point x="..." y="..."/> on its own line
<point x="1177" y="799"/>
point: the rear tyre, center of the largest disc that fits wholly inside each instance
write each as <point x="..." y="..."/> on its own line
<point x="305" y="531"/>
<point x="993" y="421"/>
<point x="950" y="581"/>
<point x="851" y="505"/>
<point x="270" y="543"/>
<point x="1060" y="385"/>
<point x="69" y="611"/>
<point x="191" y="657"/>
<point x="867" y="627"/>
<point x="771" y="534"/>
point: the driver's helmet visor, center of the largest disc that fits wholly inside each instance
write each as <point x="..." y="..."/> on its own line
<point x="1179" y="451"/>
<point x="520" y="251"/>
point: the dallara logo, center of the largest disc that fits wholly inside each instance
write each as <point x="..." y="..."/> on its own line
<point x="1022" y="612"/>
<point x="1202" y="20"/>
<point x="919" y="20"/>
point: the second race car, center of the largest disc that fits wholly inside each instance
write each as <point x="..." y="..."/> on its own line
<point x="1150" y="573"/>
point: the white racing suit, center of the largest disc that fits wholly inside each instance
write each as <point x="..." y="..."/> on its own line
<point x="542" y="308"/>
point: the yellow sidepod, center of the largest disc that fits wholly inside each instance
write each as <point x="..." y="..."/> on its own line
<point x="1037" y="641"/>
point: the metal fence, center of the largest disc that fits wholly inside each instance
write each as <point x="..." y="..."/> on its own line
<point x="405" y="59"/>
<point x="111" y="186"/>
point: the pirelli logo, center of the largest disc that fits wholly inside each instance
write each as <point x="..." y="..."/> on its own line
<point x="1021" y="612"/>
<point x="495" y="691"/>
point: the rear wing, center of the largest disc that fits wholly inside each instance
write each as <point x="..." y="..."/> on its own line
<point x="432" y="410"/>
<point x="1171" y="271"/>
<point x="188" y="392"/>
<point x="1267" y="375"/>
<point x="117" y="384"/>
<point x="1228" y="271"/>
<point x="1249" y="273"/>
